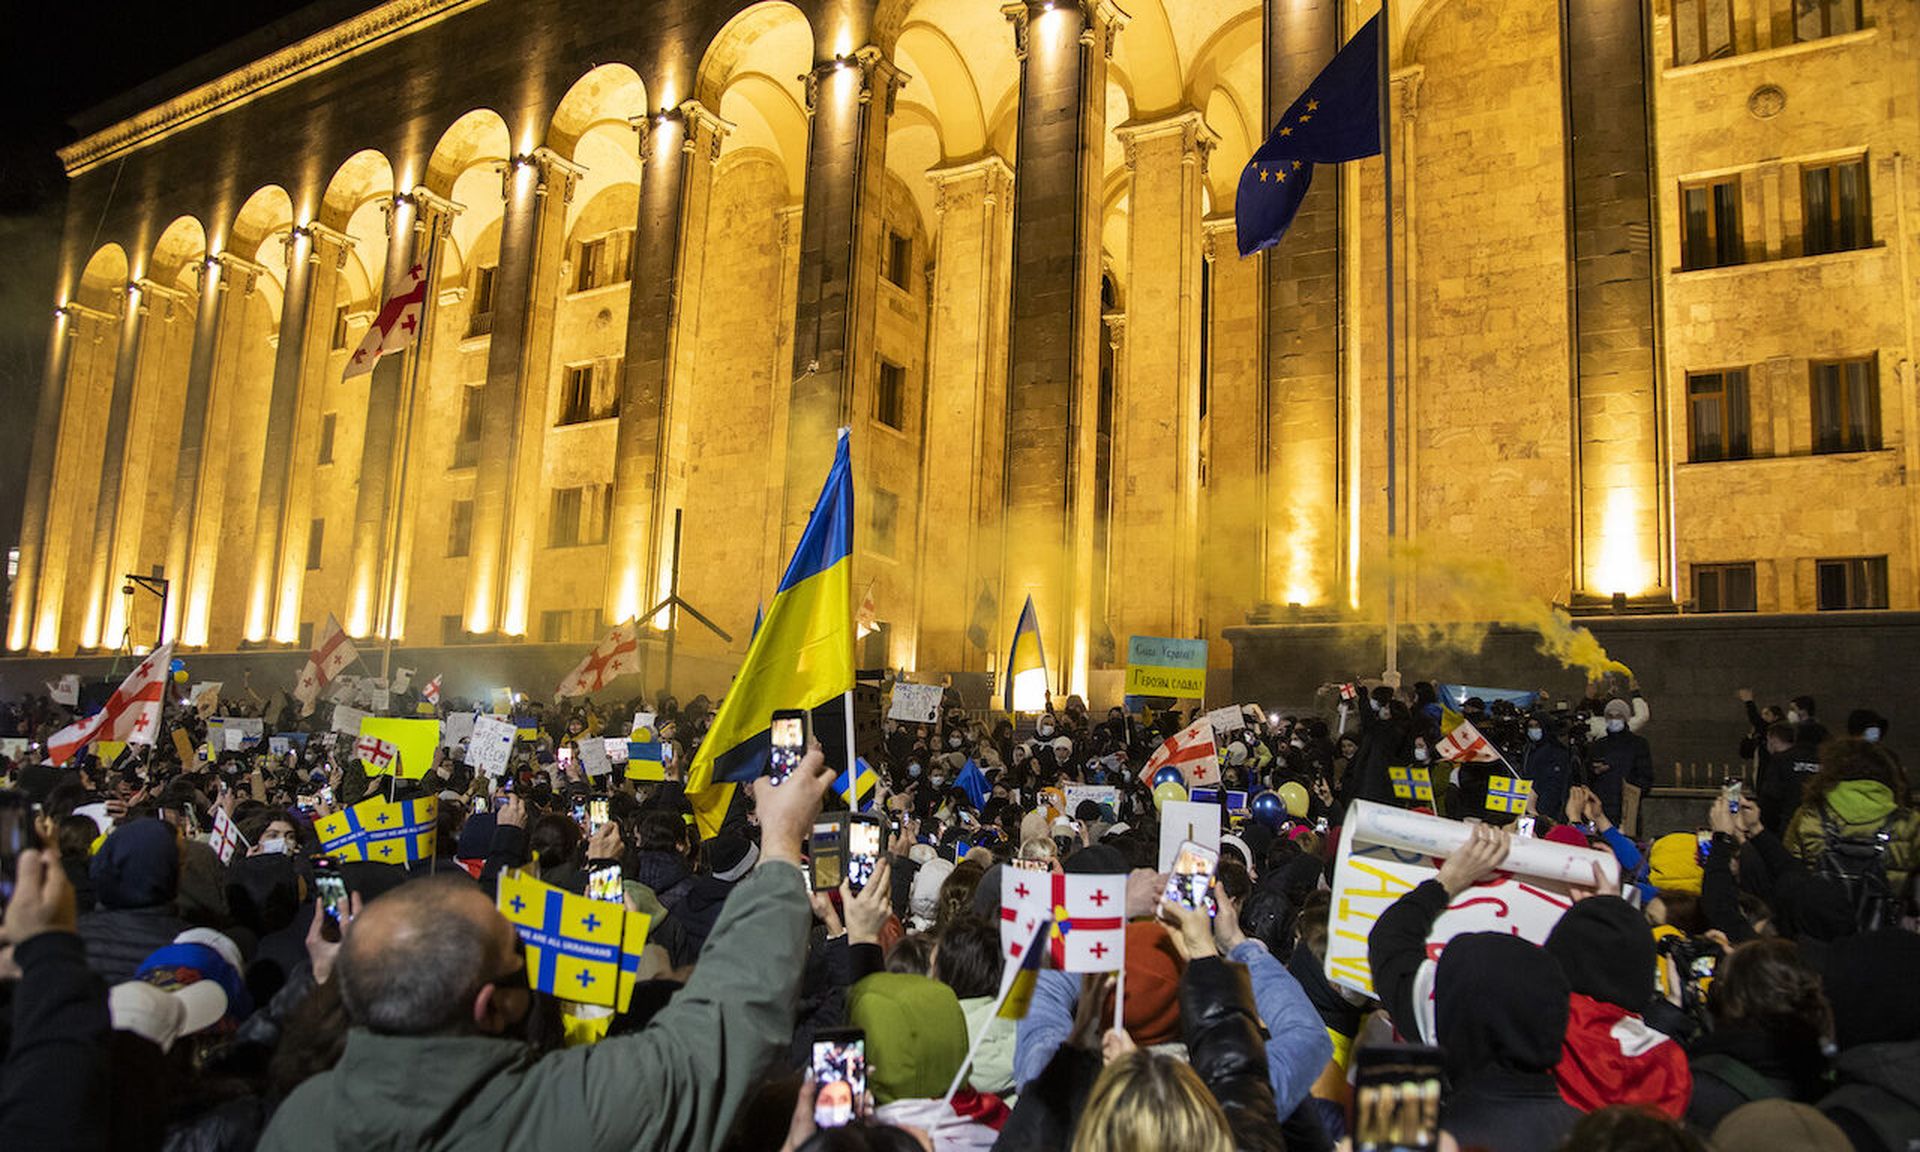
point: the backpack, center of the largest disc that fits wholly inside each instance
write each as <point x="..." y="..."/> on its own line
<point x="1858" y="864"/>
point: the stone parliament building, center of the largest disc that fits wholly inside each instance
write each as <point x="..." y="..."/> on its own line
<point x="1655" y="323"/>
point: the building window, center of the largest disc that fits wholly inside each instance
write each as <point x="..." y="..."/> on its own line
<point x="1711" y="223"/>
<point x="305" y="640"/>
<point x="466" y="450"/>
<point x="453" y="630"/>
<point x="316" y="538"/>
<point x="587" y="392"/>
<point x="579" y="515"/>
<point x="1702" y="30"/>
<point x="1853" y="582"/>
<point x="591" y="265"/>
<point x="1846" y="406"/>
<point x="1834" y="213"/>
<point x="460" y="528"/>
<point x="602" y="261"/>
<point x="899" y="259"/>
<point x="569" y="626"/>
<point x="890" y="395"/>
<point x="1718" y="416"/>
<point x="884" y="523"/>
<point x="1813" y="19"/>
<point x="326" y="438"/>
<point x="481" y="322"/>
<point x="1724" y="588"/>
<point x="340" y="328"/>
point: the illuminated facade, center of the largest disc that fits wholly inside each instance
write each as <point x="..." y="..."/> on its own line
<point x="1656" y="312"/>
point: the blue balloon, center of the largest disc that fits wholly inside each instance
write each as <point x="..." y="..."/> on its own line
<point x="178" y="665"/>
<point x="1268" y="808"/>
<point x="1169" y="775"/>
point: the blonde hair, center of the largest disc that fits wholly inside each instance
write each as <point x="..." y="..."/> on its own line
<point x="1148" y="1101"/>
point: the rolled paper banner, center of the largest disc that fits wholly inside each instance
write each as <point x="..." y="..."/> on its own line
<point x="1440" y="837"/>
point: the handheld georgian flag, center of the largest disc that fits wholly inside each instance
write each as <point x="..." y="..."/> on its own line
<point x="578" y="949"/>
<point x="1025" y="689"/>
<point x="395" y="327"/>
<point x="1335" y="120"/>
<point x="1192" y="751"/>
<point x="1463" y="743"/>
<point x="332" y="653"/>
<point x="802" y="657"/>
<point x="616" y="655"/>
<point x="431" y="693"/>
<point x="226" y="838"/>
<point x="131" y="714"/>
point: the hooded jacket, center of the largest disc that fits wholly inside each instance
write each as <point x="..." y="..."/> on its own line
<point x="1859" y="808"/>
<point x="1611" y="1055"/>
<point x="136" y="877"/>
<point x="673" y="1086"/>
<point x="1877" y="1103"/>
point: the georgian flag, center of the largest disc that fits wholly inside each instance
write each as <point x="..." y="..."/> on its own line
<point x="1192" y="751"/>
<point x="226" y="839"/>
<point x="332" y="653"/>
<point x="1463" y="743"/>
<point x="431" y="693"/>
<point x="1078" y="923"/>
<point x="131" y="715"/>
<point x="376" y="754"/>
<point x="616" y="655"/>
<point x="395" y="327"/>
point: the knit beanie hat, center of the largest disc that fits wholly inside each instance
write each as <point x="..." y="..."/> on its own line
<point x="1154" y="967"/>
<point x="916" y="1034"/>
<point x="1605" y="947"/>
<point x="731" y="855"/>
<point x="1674" y="863"/>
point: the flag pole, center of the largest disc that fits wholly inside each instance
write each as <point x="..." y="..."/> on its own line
<point x="1392" y="675"/>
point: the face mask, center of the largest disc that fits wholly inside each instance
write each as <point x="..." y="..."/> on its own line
<point x="1298" y="743"/>
<point x="1872" y="735"/>
<point x="953" y="741"/>
<point x="939" y="781"/>
<point x="1045" y="729"/>
<point x="1616" y="725"/>
<point x="1382" y="709"/>
<point x="913" y="770"/>
<point x="276" y="845"/>
<point x="1534" y="734"/>
<point x="1793" y="715"/>
<point x="1420" y="754"/>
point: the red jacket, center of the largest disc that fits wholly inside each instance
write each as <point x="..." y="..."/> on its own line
<point x="1611" y="1056"/>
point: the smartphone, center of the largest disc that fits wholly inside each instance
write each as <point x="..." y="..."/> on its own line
<point x="1397" y="1093"/>
<point x="580" y="812"/>
<point x="863" y="849"/>
<point x="840" y="1074"/>
<point x="332" y="889"/>
<point x="1705" y="840"/>
<point x="478" y="804"/>
<point x="827" y="852"/>
<point x="326" y="793"/>
<point x="1735" y="792"/>
<point x="1033" y="865"/>
<point x="789" y="735"/>
<point x="596" y="814"/>
<point x="564" y="755"/>
<point x="1523" y="826"/>
<point x="1190" y="881"/>
<point x="16" y="836"/>
<point x="604" y="884"/>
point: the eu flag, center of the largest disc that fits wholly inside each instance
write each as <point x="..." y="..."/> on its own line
<point x="1335" y="120"/>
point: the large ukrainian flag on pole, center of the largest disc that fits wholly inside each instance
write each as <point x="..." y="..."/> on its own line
<point x="1025" y="686"/>
<point x="802" y="656"/>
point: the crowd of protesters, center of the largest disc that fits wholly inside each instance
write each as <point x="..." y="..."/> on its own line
<point x="1750" y="985"/>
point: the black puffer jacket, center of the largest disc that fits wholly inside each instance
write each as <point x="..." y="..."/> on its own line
<point x="118" y="939"/>
<point x="1224" y="1044"/>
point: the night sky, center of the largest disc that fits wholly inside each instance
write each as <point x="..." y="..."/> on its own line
<point x="69" y="58"/>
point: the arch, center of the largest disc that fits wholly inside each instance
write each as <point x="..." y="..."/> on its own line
<point x="771" y="26"/>
<point x="363" y="176"/>
<point x="610" y="154"/>
<point x="181" y="243"/>
<point x="477" y="137"/>
<point x="767" y="117"/>
<point x="103" y="281"/>
<point x="1146" y="59"/>
<point x="945" y="86"/>
<point x="266" y="211"/>
<point x="611" y="94"/>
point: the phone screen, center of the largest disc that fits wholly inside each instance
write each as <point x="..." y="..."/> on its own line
<point x="1191" y="878"/>
<point x="580" y="813"/>
<point x="1735" y="790"/>
<point x="596" y="815"/>
<point x="1523" y="826"/>
<point x="564" y="754"/>
<point x="826" y="855"/>
<point x="863" y="851"/>
<point x="604" y="884"/>
<point x="1396" y="1099"/>
<point x="478" y="804"/>
<point x="16" y="836"/>
<point x="332" y="889"/>
<point x="840" y="1072"/>
<point x="789" y="736"/>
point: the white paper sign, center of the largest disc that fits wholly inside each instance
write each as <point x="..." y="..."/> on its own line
<point x="379" y="700"/>
<point x="1386" y="852"/>
<point x="491" y="746"/>
<point x="643" y="720"/>
<point x="13" y="747"/>
<point x="279" y="745"/>
<point x="915" y="703"/>
<point x="1227" y="720"/>
<point x="65" y="690"/>
<point x="1184" y="820"/>
<point x="593" y="756"/>
<point x="458" y="726"/>
<point x="204" y="695"/>
<point x="346" y="720"/>
<point x="616" y="749"/>
<point x="402" y="679"/>
<point x="1098" y="793"/>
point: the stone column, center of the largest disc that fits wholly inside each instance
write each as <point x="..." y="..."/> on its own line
<point x="678" y="152"/>
<point x="1156" y="495"/>
<point x="113" y="459"/>
<point x="849" y="100"/>
<point x="966" y="410"/>
<point x="1053" y="339"/>
<point x="1231" y="536"/>
<point x="290" y="449"/>
<point x="1303" y="377"/>
<point x="34" y="511"/>
<point x="163" y="302"/>
<point x="1621" y="543"/>
<point x="536" y="187"/>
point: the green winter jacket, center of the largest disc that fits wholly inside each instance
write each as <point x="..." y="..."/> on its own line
<point x="1859" y="808"/>
<point x="673" y="1086"/>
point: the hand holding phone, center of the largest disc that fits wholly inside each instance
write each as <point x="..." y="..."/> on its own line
<point x="788" y="735"/>
<point x="1191" y="878"/>
<point x="605" y="884"/>
<point x="863" y="849"/>
<point x="839" y="1076"/>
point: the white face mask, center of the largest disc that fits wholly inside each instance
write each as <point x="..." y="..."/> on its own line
<point x="1045" y="729"/>
<point x="1872" y="735"/>
<point x="1616" y="725"/>
<point x="913" y="770"/>
<point x="276" y="845"/>
<point x="1793" y="715"/>
<point x="1420" y="754"/>
<point x="1534" y="734"/>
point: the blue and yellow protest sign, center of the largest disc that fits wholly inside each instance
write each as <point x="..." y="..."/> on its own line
<point x="1508" y="794"/>
<point x="1158" y="666"/>
<point x="381" y="831"/>
<point x="578" y="949"/>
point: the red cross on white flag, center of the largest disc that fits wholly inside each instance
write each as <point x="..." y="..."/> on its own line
<point x="377" y="754"/>
<point x="226" y="838"/>
<point x="431" y="693"/>
<point x="1190" y="750"/>
<point x="332" y="654"/>
<point x="616" y="655"/>
<point x="396" y="325"/>
<point x="1085" y="915"/>
<point x="131" y="714"/>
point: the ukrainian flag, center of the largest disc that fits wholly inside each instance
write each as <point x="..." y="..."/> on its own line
<point x="802" y="657"/>
<point x="1026" y="674"/>
<point x="856" y="785"/>
<point x="586" y="951"/>
<point x="645" y="761"/>
<point x="381" y="831"/>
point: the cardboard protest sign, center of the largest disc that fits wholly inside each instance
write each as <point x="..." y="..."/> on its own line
<point x="1386" y="852"/>
<point x="1185" y="820"/>
<point x="593" y="756"/>
<point x="616" y="749"/>
<point x="346" y="720"/>
<point x="66" y="690"/>
<point x="1227" y="721"/>
<point x="204" y="695"/>
<point x="459" y="726"/>
<point x="915" y="703"/>
<point x="491" y="745"/>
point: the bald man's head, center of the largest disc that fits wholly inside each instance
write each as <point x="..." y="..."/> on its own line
<point x="417" y="956"/>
